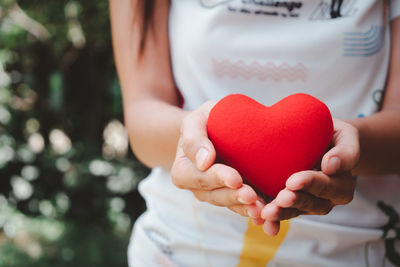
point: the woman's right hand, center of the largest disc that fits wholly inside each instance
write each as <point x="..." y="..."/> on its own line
<point x="194" y="169"/>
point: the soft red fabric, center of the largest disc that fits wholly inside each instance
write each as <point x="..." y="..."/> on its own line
<point x="268" y="144"/>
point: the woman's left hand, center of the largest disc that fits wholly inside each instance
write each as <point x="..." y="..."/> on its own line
<point x="317" y="192"/>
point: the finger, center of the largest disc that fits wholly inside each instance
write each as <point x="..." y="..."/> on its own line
<point x="302" y="202"/>
<point x="194" y="140"/>
<point x="257" y="222"/>
<point x="272" y="212"/>
<point x="253" y="211"/>
<point x="271" y="228"/>
<point x="227" y="197"/>
<point x="186" y="176"/>
<point x="338" y="189"/>
<point x="346" y="150"/>
<point x="239" y="209"/>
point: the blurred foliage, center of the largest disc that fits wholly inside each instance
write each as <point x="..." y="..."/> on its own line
<point x="68" y="192"/>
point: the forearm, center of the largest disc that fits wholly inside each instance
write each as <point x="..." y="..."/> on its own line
<point x="152" y="116"/>
<point x="379" y="142"/>
<point x="154" y="128"/>
<point x="380" y="133"/>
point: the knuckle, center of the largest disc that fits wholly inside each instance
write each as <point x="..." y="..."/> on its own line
<point x="213" y="201"/>
<point x="326" y="210"/>
<point x="188" y="144"/>
<point x="200" y="183"/>
<point x="219" y="174"/>
<point x="324" y="190"/>
<point x="347" y="199"/>
<point x="308" y="178"/>
<point x="243" y="211"/>
<point x="200" y="196"/>
<point x="296" y="199"/>
<point x="176" y="176"/>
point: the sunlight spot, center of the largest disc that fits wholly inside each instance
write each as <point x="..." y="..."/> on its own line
<point x="100" y="168"/>
<point x="122" y="183"/>
<point x="115" y="140"/>
<point x="5" y="79"/>
<point x="117" y="204"/>
<point x="32" y="125"/>
<point x="62" y="202"/>
<point x="46" y="208"/>
<point x="10" y="230"/>
<point x="22" y="189"/>
<point x="63" y="164"/>
<point x="59" y="141"/>
<point x="30" y="172"/>
<point x="5" y="115"/>
<point x="36" y="142"/>
<point x="7" y="153"/>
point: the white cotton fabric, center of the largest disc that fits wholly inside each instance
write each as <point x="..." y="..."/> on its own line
<point x="394" y="9"/>
<point x="268" y="50"/>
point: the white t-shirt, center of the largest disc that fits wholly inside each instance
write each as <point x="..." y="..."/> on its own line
<point x="337" y="51"/>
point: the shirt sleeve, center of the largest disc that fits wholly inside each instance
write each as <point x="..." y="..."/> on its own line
<point x="394" y="9"/>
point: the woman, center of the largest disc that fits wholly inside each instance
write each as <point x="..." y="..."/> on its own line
<point x="206" y="49"/>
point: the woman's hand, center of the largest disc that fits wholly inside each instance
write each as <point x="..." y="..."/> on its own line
<point x="317" y="192"/>
<point x="194" y="169"/>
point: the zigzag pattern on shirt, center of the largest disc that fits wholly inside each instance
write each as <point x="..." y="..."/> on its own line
<point x="262" y="72"/>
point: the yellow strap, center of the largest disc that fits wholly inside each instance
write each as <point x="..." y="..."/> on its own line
<point x="258" y="247"/>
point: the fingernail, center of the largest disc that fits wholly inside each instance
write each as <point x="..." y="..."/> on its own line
<point x="252" y="213"/>
<point x="266" y="211"/>
<point x="241" y="200"/>
<point x="333" y="165"/>
<point x="201" y="158"/>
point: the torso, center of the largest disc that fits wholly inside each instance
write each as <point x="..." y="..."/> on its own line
<point x="268" y="50"/>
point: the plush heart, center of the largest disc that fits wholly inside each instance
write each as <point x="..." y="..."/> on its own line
<point x="268" y="144"/>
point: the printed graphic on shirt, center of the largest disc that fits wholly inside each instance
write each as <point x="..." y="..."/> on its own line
<point x="214" y="3"/>
<point x="259" y="71"/>
<point x="377" y="96"/>
<point x="391" y="233"/>
<point x="363" y="44"/>
<point x="361" y="115"/>
<point x="258" y="7"/>
<point x="258" y="248"/>
<point x="161" y="241"/>
<point x="327" y="10"/>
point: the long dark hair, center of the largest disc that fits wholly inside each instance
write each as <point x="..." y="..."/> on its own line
<point x="144" y="14"/>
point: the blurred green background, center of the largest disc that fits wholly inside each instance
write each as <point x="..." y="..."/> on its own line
<point x="68" y="180"/>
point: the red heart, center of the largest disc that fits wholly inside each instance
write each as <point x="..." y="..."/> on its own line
<point x="268" y="144"/>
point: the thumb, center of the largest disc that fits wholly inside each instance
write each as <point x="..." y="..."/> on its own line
<point x="194" y="140"/>
<point x="345" y="153"/>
